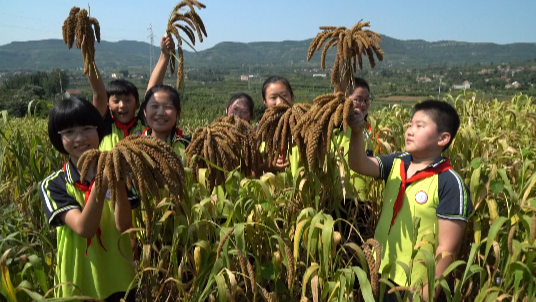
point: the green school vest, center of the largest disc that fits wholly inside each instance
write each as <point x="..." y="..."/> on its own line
<point x="421" y="200"/>
<point x="102" y="272"/>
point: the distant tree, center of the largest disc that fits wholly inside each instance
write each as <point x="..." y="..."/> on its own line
<point x="56" y="82"/>
<point x="124" y="72"/>
<point x="18" y="100"/>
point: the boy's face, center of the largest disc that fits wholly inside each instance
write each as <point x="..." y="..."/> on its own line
<point x="123" y="107"/>
<point x="361" y="99"/>
<point x="422" y="137"/>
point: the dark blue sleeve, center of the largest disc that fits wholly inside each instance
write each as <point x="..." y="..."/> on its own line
<point x="386" y="164"/>
<point x="56" y="200"/>
<point x="454" y="198"/>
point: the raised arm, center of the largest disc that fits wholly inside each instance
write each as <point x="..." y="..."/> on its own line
<point x="157" y="77"/>
<point x="357" y="155"/>
<point x="100" y="98"/>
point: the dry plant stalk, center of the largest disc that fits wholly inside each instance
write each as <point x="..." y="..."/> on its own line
<point x="227" y="143"/>
<point x="291" y="268"/>
<point x="79" y="24"/>
<point x="149" y="163"/>
<point x="187" y="23"/>
<point x="222" y="242"/>
<point x="314" y="130"/>
<point x="511" y="238"/>
<point x="277" y="129"/>
<point x="374" y="265"/>
<point x="533" y="229"/>
<point x="351" y="45"/>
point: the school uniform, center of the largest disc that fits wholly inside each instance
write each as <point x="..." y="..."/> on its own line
<point x="94" y="265"/>
<point x="176" y="140"/>
<point x="115" y="131"/>
<point x="411" y="211"/>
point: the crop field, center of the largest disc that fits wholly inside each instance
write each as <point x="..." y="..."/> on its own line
<point x="283" y="238"/>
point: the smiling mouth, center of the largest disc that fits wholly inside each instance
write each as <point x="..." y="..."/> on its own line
<point x="82" y="147"/>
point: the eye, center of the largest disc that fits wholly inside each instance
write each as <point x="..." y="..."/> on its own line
<point x="68" y="132"/>
<point x="88" y="128"/>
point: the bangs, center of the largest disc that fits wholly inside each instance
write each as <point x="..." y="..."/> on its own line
<point x="122" y="87"/>
<point x="76" y="114"/>
<point x="69" y="113"/>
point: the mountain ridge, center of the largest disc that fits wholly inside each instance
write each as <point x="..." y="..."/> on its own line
<point x="53" y="53"/>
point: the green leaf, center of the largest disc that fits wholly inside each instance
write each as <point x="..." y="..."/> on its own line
<point x="476" y="162"/>
<point x="327" y="238"/>
<point x="220" y="281"/>
<point x="268" y="271"/>
<point x="496" y="186"/>
<point x="364" y="284"/>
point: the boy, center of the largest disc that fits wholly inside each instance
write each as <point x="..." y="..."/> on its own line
<point x="117" y="104"/>
<point x="422" y="193"/>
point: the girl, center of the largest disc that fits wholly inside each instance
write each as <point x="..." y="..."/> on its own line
<point x="275" y="91"/>
<point x="161" y="108"/>
<point x="161" y="111"/>
<point x="241" y="105"/>
<point x="88" y="232"/>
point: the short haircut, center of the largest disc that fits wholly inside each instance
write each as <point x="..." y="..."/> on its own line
<point x="358" y="83"/>
<point x="122" y="87"/>
<point x="173" y="95"/>
<point x="275" y="79"/>
<point x="241" y="95"/>
<point x="69" y="113"/>
<point x="444" y="116"/>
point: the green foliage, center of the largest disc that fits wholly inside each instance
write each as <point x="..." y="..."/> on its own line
<point x="285" y="225"/>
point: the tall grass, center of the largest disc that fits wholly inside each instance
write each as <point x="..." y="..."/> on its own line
<point x="276" y="238"/>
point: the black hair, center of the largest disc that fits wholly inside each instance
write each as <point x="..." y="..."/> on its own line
<point x="122" y="87"/>
<point x="443" y="114"/>
<point x="173" y="95"/>
<point x="72" y="112"/>
<point x="275" y="79"/>
<point x="242" y="95"/>
<point x="358" y="83"/>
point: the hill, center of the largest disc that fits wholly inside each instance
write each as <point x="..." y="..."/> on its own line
<point x="49" y="54"/>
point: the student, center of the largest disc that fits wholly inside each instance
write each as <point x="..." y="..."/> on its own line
<point x="275" y="91"/>
<point x="359" y="93"/>
<point x="117" y="105"/>
<point x="422" y="192"/>
<point x="161" y="111"/>
<point x="88" y="232"/>
<point x="241" y="105"/>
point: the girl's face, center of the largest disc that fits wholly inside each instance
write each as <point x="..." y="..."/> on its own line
<point x="161" y="114"/>
<point x="240" y="108"/>
<point x="274" y="93"/>
<point x="77" y="140"/>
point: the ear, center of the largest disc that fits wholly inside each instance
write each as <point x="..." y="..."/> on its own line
<point x="444" y="139"/>
<point x="144" y="113"/>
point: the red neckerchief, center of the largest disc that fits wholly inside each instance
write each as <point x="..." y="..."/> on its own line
<point x="124" y="127"/>
<point x="442" y="167"/>
<point x="83" y="187"/>
<point x="147" y="132"/>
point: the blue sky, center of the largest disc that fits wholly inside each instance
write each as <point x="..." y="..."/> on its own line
<point x="276" y="20"/>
